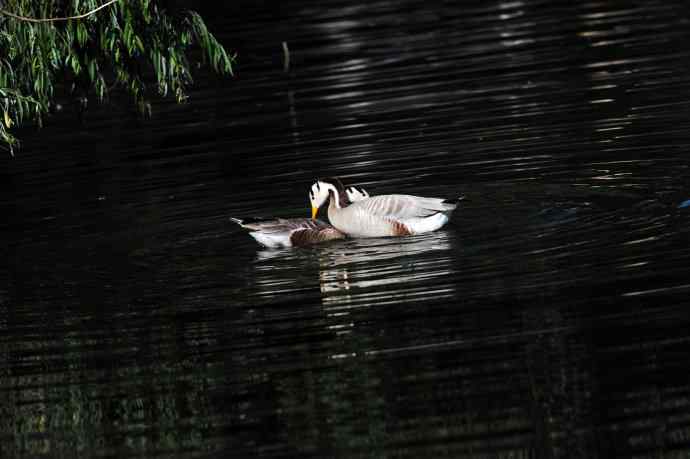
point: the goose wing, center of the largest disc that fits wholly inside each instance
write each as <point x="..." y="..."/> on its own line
<point x="403" y="206"/>
<point x="289" y="232"/>
<point x="306" y="236"/>
<point x="281" y="225"/>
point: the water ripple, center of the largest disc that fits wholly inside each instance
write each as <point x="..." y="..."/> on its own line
<point x="548" y="319"/>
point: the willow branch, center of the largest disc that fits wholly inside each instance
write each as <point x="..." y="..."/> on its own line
<point x="80" y="16"/>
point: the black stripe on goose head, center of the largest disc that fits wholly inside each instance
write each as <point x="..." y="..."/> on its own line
<point x="338" y="185"/>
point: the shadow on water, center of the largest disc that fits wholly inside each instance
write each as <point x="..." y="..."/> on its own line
<point x="547" y="320"/>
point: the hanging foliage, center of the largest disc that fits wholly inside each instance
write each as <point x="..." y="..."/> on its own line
<point x="94" y="47"/>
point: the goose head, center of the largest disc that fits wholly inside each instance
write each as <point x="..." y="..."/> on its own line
<point x="326" y="188"/>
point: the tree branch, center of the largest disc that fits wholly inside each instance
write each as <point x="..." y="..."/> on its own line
<point x="81" y="16"/>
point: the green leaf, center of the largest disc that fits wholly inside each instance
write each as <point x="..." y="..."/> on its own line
<point x="76" y="66"/>
<point x="92" y="70"/>
<point x="82" y="34"/>
<point x="139" y="44"/>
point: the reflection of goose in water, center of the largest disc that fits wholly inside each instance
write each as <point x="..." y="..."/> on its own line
<point x="296" y="232"/>
<point x="384" y="215"/>
<point x="361" y="263"/>
<point x="367" y="250"/>
<point x="359" y="274"/>
<point x="388" y="266"/>
<point x="364" y="250"/>
<point x="354" y="275"/>
<point x="354" y="280"/>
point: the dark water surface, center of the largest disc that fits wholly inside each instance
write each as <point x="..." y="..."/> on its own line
<point x="549" y="319"/>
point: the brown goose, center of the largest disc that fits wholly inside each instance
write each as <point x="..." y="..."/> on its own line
<point x="384" y="215"/>
<point x="289" y="232"/>
<point x="296" y="232"/>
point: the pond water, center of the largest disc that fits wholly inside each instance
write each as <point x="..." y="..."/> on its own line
<point x="548" y="319"/>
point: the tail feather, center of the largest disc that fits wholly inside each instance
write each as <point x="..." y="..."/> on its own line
<point x="251" y="220"/>
<point x="280" y="225"/>
<point x="454" y="202"/>
<point x="256" y="222"/>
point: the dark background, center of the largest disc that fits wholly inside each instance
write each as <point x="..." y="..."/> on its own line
<point x="548" y="319"/>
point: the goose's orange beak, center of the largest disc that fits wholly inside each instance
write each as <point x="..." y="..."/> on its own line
<point x="314" y="211"/>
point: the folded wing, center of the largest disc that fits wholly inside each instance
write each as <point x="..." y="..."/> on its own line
<point x="403" y="206"/>
<point x="281" y="225"/>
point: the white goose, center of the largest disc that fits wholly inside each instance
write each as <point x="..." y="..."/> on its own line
<point x="384" y="215"/>
<point x="295" y="232"/>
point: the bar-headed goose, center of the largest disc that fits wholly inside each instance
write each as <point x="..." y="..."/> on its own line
<point x="289" y="232"/>
<point x="295" y="232"/>
<point x="384" y="215"/>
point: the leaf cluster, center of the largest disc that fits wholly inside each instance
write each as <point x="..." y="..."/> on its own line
<point x="132" y="45"/>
